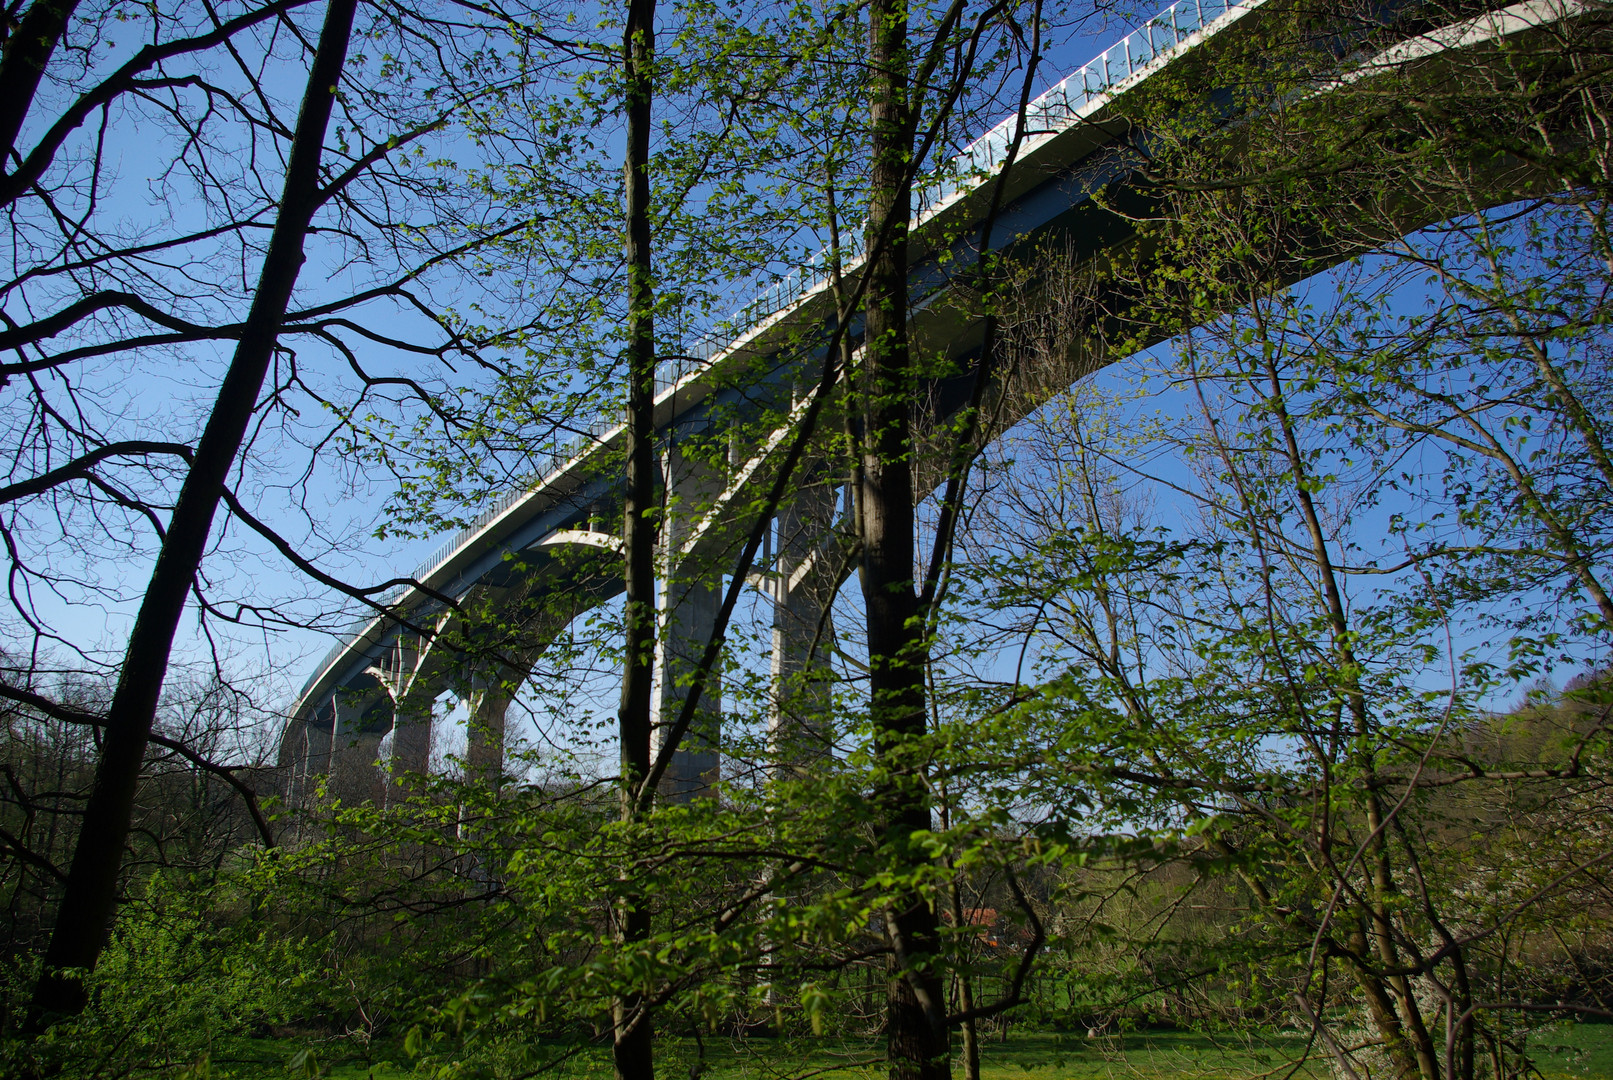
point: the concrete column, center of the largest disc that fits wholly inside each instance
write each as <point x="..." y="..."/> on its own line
<point x="290" y="761"/>
<point x="309" y="752"/>
<point x="355" y="743"/>
<point x="317" y="748"/>
<point x="410" y="675"/>
<point x="411" y="732"/>
<point x="688" y="600"/>
<point x="354" y="776"/>
<point x="487" y="701"/>
<point x="807" y="574"/>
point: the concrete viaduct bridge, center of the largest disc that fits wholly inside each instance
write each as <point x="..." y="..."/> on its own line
<point x="548" y="541"/>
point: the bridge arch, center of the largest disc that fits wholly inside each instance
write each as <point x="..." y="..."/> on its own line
<point x="376" y="675"/>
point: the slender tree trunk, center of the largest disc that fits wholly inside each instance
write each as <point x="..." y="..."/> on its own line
<point x="916" y="1033"/>
<point x="632" y="1048"/>
<point x="966" y="999"/>
<point x="90" y="895"/>
<point x="1349" y="667"/>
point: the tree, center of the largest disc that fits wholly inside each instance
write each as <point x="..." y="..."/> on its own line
<point x="1212" y="678"/>
<point x="633" y="1032"/>
<point x="85" y="496"/>
<point x="900" y="608"/>
<point x="886" y="400"/>
<point x="90" y="891"/>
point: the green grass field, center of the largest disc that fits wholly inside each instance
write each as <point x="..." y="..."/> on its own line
<point x="1568" y="1052"/>
<point x="1574" y="1050"/>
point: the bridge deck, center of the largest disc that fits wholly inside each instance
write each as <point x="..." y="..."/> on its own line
<point x="1065" y="125"/>
<point x="1066" y="155"/>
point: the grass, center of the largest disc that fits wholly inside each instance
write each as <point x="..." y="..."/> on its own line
<point x="1574" y="1050"/>
<point x="1032" y="1056"/>
<point x="1567" y="1052"/>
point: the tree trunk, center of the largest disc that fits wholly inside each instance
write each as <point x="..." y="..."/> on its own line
<point x="90" y="896"/>
<point x="1377" y="860"/>
<point x="632" y="1049"/>
<point x="23" y="63"/>
<point x="970" y="1030"/>
<point x="916" y="1034"/>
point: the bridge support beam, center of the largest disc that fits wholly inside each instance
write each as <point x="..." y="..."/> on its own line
<point x="354" y="777"/>
<point x="313" y="758"/>
<point x="354" y="743"/>
<point x="487" y="701"/>
<point x="410" y="675"/>
<point x="412" y="716"/>
<point x="808" y="572"/>
<point x="689" y="598"/>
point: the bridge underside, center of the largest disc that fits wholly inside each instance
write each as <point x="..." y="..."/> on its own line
<point x="530" y="576"/>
